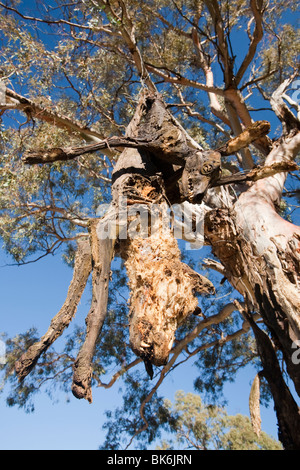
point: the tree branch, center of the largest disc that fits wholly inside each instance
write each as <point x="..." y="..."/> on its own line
<point x="245" y="138"/>
<point x="180" y="80"/>
<point x="51" y="155"/>
<point x="55" y="22"/>
<point x="257" y="173"/>
<point x="214" y="319"/>
<point x="256" y="38"/>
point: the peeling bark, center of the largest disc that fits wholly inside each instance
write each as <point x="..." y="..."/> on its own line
<point x="21" y="103"/>
<point x="162" y="291"/>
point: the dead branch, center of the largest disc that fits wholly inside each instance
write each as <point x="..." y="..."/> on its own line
<point x="214" y="319"/>
<point x="51" y="155"/>
<point x="102" y="252"/>
<point x="63" y="318"/>
<point x="284" y="403"/>
<point x="282" y="111"/>
<point x="254" y="405"/>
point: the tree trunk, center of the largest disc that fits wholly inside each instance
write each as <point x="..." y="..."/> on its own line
<point x="261" y="255"/>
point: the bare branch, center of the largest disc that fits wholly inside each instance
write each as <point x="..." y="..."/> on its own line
<point x="180" y="80"/>
<point x="215" y="13"/>
<point x="81" y="273"/>
<point x="127" y="31"/>
<point x="256" y="38"/>
<point x="118" y="374"/>
<point x="102" y="253"/>
<point x="55" y="22"/>
<point x="244" y="139"/>
<point x="257" y="173"/>
<point x="181" y="345"/>
<point x="234" y="98"/>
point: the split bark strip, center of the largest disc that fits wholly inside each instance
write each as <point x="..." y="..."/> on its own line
<point x="245" y="138"/>
<point x="254" y="405"/>
<point x="82" y="270"/>
<point x="102" y="253"/>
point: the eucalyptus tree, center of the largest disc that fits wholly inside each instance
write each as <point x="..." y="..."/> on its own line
<point x="151" y="109"/>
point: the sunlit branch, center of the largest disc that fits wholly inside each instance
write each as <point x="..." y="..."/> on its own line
<point x="180" y="80"/>
<point x="282" y="111"/>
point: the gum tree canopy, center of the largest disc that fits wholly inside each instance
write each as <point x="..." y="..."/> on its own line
<point x="155" y="109"/>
